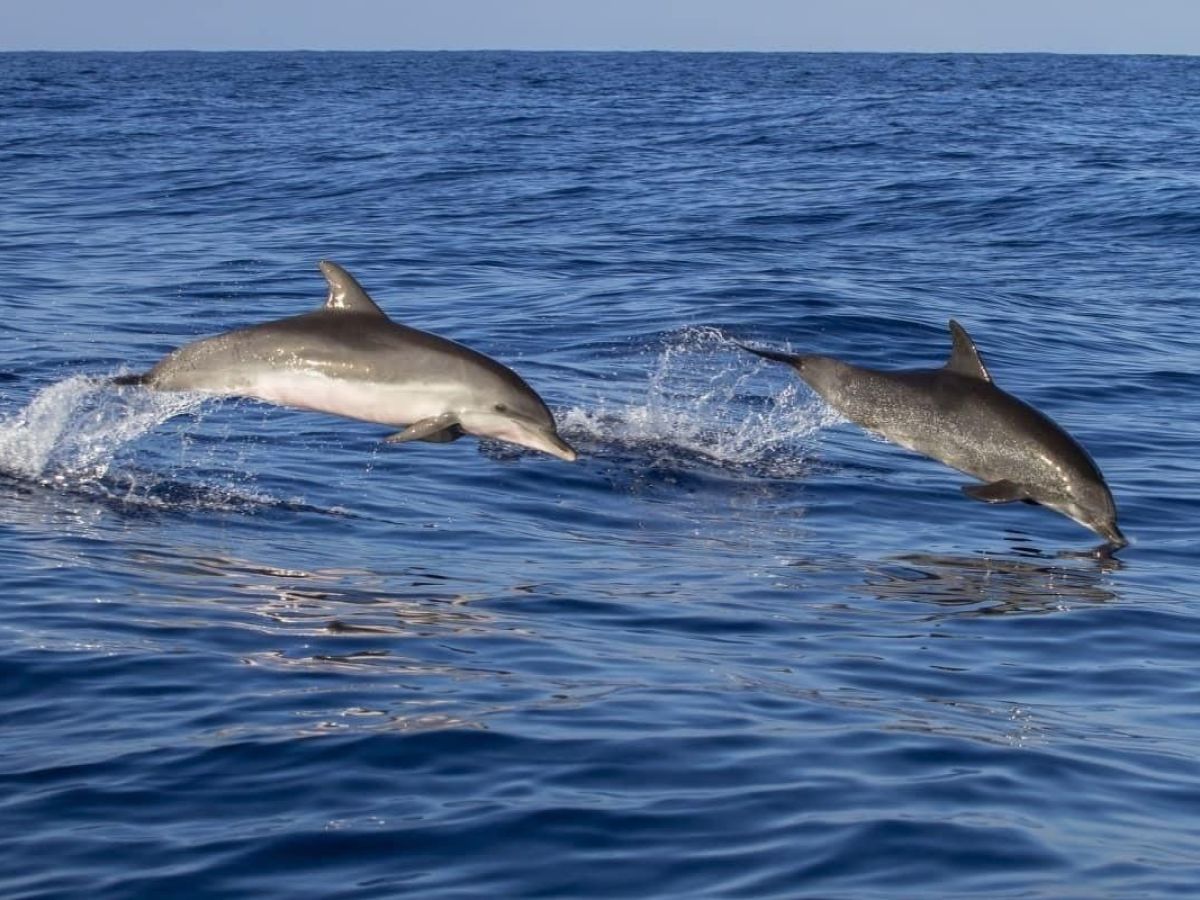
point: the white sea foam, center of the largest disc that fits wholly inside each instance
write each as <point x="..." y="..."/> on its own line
<point x="72" y="429"/>
<point x="707" y="399"/>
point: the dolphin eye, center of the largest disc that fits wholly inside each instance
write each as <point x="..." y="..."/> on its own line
<point x="500" y="408"/>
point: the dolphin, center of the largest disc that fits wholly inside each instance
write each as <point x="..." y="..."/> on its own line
<point x="958" y="416"/>
<point x="349" y="359"/>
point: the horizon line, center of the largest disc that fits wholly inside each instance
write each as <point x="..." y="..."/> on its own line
<point x="606" y="50"/>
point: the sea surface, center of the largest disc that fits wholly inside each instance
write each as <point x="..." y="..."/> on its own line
<point x="740" y="649"/>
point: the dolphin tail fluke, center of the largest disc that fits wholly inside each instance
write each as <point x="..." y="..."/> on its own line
<point x="790" y="358"/>
<point x="123" y="380"/>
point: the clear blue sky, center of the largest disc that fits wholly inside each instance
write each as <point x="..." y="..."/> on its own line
<point x="1068" y="26"/>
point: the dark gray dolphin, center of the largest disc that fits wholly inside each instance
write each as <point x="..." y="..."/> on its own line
<point x="957" y="416"/>
<point x="349" y="359"/>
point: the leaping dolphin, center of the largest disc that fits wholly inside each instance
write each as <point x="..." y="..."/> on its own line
<point x="957" y="416"/>
<point x="349" y="359"/>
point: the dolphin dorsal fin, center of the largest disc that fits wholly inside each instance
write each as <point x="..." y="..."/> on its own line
<point x="964" y="358"/>
<point x="346" y="294"/>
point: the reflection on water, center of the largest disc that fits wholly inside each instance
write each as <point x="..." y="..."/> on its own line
<point x="409" y="631"/>
<point x="993" y="585"/>
<point x="413" y="602"/>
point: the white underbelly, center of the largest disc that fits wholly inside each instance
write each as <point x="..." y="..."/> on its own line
<point x="387" y="404"/>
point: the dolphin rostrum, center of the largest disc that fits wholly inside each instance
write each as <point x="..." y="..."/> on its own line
<point x="349" y="359"/>
<point x="957" y="416"/>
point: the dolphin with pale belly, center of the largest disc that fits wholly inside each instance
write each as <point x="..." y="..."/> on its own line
<point x="956" y="415"/>
<point x="349" y="359"/>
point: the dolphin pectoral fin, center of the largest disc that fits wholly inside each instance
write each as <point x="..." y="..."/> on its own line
<point x="445" y="436"/>
<point x="1003" y="491"/>
<point x="436" y="430"/>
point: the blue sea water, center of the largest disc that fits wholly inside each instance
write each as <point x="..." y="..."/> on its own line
<point x="740" y="649"/>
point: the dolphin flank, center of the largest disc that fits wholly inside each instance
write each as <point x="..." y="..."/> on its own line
<point x="957" y="416"/>
<point x="349" y="359"/>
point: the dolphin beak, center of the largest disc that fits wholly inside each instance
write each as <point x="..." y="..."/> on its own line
<point x="1112" y="534"/>
<point x="519" y="430"/>
<point x="547" y="442"/>
<point x="556" y="446"/>
<point x="538" y="436"/>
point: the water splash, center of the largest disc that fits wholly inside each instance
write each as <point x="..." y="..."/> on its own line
<point x="70" y="438"/>
<point x="71" y="431"/>
<point x="708" y="402"/>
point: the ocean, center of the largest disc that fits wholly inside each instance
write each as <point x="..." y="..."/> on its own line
<point x="741" y="648"/>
